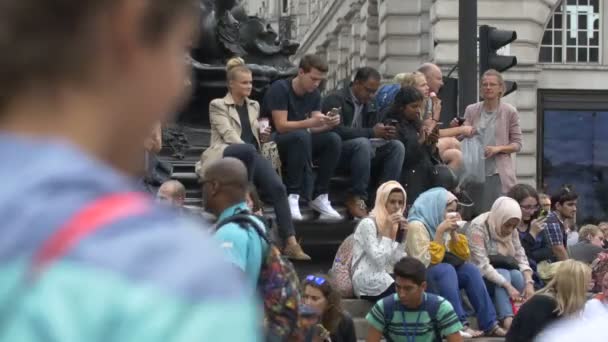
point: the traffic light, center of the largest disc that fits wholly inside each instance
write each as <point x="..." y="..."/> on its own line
<point x="491" y="40"/>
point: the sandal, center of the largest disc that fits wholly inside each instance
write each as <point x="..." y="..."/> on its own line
<point x="470" y="333"/>
<point x="497" y="331"/>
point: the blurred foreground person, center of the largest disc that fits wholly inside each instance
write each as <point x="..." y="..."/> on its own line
<point x="564" y="297"/>
<point x="85" y="257"/>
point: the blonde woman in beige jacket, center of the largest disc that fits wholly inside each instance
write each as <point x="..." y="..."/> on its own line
<point x="235" y="132"/>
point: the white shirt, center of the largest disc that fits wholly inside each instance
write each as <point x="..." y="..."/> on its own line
<point x="588" y="327"/>
<point x="373" y="259"/>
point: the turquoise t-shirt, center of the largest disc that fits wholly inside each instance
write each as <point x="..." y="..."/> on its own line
<point x="243" y="247"/>
<point x="417" y="322"/>
<point x="152" y="276"/>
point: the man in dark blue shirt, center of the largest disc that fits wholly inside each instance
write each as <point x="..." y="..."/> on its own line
<point x="367" y="143"/>
<point x="304" y="135"/>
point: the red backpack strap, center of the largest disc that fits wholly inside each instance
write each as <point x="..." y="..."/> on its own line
<point x="97" y="214"/>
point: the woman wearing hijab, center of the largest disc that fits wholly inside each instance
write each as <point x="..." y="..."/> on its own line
<point x="379" y="244"/>
<point x="497" y="252"/>
<point x="432" y="239"/>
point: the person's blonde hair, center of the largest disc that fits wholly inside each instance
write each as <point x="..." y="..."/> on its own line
<point x="498" y="75"/>
<point x="411" y="79"/>
<point x="569" y="287"/>
<point x="587" y="232"/>
<point x="399" y="77"/>
<point x="234" y="66"/>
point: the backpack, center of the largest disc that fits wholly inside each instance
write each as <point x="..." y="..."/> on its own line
<point x="278" y="284"/>
<point x="599" y="267"/>
<point x="431" y="305"/>
<point x="342" y="268"/>
<point x="385" y="96"/>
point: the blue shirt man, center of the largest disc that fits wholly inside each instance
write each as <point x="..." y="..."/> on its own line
<point x="242" y="245"/>
<point x="225" y="185"/>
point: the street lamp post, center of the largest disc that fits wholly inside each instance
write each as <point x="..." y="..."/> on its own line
<point x="467" y="54"/>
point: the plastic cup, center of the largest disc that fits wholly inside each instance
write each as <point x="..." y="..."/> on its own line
<point x="263" y="124"/>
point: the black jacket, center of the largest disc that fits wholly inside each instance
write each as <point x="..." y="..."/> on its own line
<point x="346" y="330"/>
<point x="420" y="159"/>
<point x="342" y="98"/>
<point x="536" y="251"/>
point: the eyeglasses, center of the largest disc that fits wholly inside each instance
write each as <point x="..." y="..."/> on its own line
<point x="314" y="279"/>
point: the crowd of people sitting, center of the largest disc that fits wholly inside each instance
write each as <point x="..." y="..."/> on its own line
<point x="414" y="255"/>
<point x="297" y="140"/>
<point x="88" y="257"/>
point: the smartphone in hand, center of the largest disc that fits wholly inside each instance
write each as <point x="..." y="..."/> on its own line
<point x="391" y="122"/>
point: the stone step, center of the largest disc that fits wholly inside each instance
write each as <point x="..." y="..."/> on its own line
<point x="357" y="307"/>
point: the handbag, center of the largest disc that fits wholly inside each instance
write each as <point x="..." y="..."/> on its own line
<point x="452" y="259"/>
<point x="506" y="262"/>
<point x="270" y="152"/>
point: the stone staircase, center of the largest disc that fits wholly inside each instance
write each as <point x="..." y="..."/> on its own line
<point x="319" y="239"/>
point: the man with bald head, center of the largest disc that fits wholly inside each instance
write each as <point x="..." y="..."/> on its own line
<point x="172" y="192"/>
<point x="433" y="75"/>
<point x="225" y="186"/>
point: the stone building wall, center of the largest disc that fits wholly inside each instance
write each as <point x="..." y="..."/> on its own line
<point x="397" y="36"/>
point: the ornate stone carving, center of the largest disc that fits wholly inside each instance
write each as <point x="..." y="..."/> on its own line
<point x="227" y="31"/>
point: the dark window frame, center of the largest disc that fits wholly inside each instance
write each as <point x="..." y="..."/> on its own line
<point x="563" y="99"/>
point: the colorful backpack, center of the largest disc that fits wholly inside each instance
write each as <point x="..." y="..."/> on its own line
<point x="343" y="267"/>
<point x="599" y="268"/>
<point x="278" y="284"/>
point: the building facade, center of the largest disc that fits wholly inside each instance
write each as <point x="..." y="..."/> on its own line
<point x="562" y="71"/>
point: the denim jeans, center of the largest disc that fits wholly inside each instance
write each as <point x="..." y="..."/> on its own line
<point x="447" y="281"/>
<point x="267" y="182"/>
<point x="298" y="149"/>
<point x="501" y="296"/>
<point x="358" y="157"/>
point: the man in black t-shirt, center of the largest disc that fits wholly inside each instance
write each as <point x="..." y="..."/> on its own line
<point x="304" y="135"/>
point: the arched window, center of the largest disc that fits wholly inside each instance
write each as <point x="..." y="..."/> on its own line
<point x="573" y="34"/>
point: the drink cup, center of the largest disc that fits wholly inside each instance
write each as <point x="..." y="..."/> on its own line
<point x="263" y="124"/>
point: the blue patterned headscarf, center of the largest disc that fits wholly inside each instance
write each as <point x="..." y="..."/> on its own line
<point x="429" y="208"/>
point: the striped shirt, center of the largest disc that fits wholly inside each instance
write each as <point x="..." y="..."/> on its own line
<point x="415" y="323"/>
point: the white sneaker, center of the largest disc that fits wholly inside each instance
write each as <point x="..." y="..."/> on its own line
<point x="294" y="207"/>
<point x="322" y="205"/>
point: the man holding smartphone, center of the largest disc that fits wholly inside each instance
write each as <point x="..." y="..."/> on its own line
<point x="304" y="135"/>
<point x="367" y="144"/>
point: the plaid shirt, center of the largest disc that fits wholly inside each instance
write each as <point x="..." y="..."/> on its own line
<point x="556" y="230"/>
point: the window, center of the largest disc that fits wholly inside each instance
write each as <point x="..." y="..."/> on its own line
<point x="573" y="33"/>
<point x="572" y="144"/>
<point x="285" y="6"/>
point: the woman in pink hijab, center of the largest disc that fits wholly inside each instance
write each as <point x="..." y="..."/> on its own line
<point x="497" y="252"/>
<point x="379" y="244"/>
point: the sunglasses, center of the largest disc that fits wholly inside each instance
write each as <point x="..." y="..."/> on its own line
<point x="317" y="280"/>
